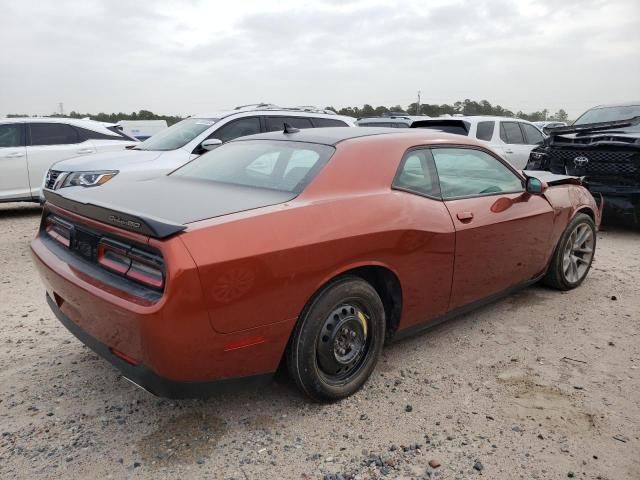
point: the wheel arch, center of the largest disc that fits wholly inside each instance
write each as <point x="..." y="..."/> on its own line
<point x="587" y="211"/>
<point x="384" y="280"/>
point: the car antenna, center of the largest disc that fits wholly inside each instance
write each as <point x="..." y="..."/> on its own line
<point x="289" y="129"/>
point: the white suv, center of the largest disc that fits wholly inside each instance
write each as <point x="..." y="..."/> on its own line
<point x="184" y="141"/>
<point x="29" y="146"/>
<point x="512" y="138"/>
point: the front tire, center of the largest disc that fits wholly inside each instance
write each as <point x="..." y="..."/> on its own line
<point x="574" y="254"/>
<point x="338" y="339"/>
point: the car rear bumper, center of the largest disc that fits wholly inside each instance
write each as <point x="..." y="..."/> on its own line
<point x="146" y="378"/>
<point x="167" y="346"/>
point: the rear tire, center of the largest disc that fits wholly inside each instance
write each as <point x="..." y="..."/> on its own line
<point x="338" y="339"/>
<point x="573" y="256"/>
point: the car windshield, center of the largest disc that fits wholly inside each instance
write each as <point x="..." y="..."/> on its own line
<point x="274" y="164"/>
<point x="608" y="114"/>
<point x="178" y="135"/>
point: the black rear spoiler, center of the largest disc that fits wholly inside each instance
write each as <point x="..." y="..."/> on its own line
<point x="591" y="127"/>
<point x="152" y="227"/>
<point x="442" y="122"/>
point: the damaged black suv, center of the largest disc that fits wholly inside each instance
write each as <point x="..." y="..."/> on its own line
<point x="603" y="146"/>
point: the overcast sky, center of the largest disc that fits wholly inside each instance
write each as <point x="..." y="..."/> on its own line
<point x="181" y="57"/>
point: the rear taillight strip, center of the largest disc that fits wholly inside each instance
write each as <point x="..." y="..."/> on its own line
<point x="130" y="262"/>
<point x="59" y="230"/>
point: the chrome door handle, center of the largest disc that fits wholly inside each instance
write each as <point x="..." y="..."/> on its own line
<point x="14" y="155"/>
<point x="85" y="150"/>
<point x="508" y="151"/>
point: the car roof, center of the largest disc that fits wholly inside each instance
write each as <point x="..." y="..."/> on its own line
<point x="292" y="112"/>
<point x="333" y="135"/>
<point x="81" y="122"/>
<point x="394" y="117"/>
<point x="479" y="118"/>
<point x="626" y="104"/>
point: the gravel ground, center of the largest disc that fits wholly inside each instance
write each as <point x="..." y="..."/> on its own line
<point x="539" y="385"/>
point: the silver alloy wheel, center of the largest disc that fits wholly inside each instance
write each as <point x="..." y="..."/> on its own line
<point x="578" y="252"/>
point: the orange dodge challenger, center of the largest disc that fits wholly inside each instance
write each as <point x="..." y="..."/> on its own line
<point x="307" y="247"/>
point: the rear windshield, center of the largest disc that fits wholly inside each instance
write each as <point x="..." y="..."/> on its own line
<point x="178" y="135"/>
<point x="459" y="127"/>
<point x="608" y="114"/>
<point x="276" y="165"/>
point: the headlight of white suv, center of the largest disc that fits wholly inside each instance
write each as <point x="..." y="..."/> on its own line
<point x="84" y="179"/>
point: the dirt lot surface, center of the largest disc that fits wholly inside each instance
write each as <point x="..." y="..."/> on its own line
<point x="539" y="385"/>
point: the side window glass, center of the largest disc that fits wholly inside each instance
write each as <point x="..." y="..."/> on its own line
<point x="277" y="123"/>
<point x="237" y="128"/>
<point x="298" y="166"/>
<point x="510" y="133"/>
<point x="10" y="135"/>
<point x="534" y="137"/>
<point x="485" y="131"/>
<point x="327" y="122"/>
<point x="53" y="134"/>
<point x="416" y="174"/>
<point x="465" y="172"/>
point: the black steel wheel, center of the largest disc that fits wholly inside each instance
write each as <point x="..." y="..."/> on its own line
<point x="338" y="339"/>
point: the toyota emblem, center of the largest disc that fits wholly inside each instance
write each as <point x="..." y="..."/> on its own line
<point x="580" y="161"/>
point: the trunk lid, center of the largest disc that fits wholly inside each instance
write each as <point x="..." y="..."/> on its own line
<point x="163" y="206"/>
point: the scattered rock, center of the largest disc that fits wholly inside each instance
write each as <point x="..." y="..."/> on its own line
<point x="434" y="463"/>
<point x="408" y="408"/>
<point x="478" y="466"/>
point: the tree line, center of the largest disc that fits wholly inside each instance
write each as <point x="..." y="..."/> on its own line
<point x="464" y="107"/>
<point x="112" y="117"/>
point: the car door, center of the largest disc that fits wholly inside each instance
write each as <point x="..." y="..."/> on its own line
<point x="427" y="247"/>
<point x="502" y="232"/>
<point x="49" y="143"/>
<point x="515" y="149"/>
<point x="14" y="176"/>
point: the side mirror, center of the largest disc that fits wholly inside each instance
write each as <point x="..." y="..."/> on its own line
<point x="535" y="186"/>
<point x="211" y="144"/>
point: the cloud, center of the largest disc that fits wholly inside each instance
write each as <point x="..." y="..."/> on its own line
<point x="184" y="57"/>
